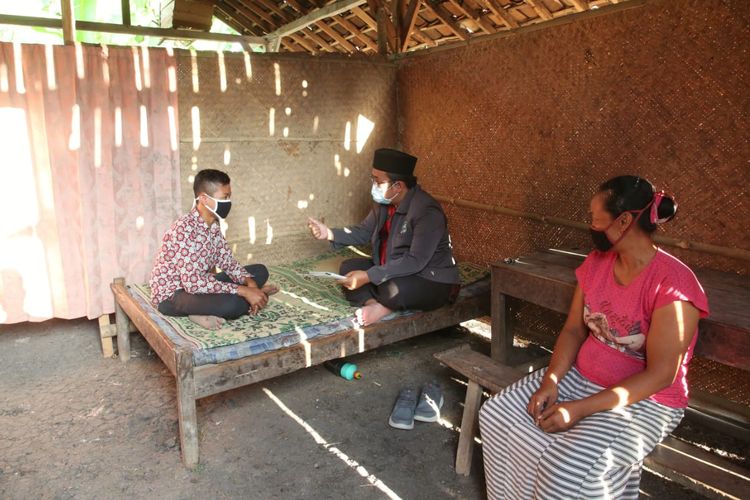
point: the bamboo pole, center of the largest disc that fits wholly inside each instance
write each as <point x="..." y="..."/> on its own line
<point x="733" y="253"/>
<point x="68" y="21"/>
<point x="180" y="34"/>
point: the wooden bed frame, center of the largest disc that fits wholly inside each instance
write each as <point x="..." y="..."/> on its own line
<point x="194" y="382"/>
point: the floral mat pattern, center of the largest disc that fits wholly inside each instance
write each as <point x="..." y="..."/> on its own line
<point x="305" y="307"/>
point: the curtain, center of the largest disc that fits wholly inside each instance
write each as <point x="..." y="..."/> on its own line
<point x="89" y="174"/>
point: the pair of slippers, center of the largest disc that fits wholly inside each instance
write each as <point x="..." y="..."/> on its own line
<point x="410" y="407"/>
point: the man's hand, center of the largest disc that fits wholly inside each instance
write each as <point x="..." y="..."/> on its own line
<point x="561" y="417"/>
<point x="319" y="230"/>
<point x="354" y="280"/>
<point x="254" y="296"/>
<point x="543" y="398"/>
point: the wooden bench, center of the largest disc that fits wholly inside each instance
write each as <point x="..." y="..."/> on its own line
<point x="680" y="461"/>
<point x="547" y="279"/>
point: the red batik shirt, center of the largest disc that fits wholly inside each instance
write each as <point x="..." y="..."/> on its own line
<point x="189" y="253"/>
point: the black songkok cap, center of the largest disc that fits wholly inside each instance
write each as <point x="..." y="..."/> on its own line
<point x="394" y="162"/>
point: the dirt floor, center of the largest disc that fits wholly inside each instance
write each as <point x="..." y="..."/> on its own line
<point x="76" y="425"/>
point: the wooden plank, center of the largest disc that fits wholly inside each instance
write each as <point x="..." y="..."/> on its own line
<point x="156" y="338"/>
<point x="304" y="43"/>
<point x="122" y="328"/>
<point x="232" y="20"/>
<point x="262" y="14"/>
<point x="550" y="292"/>
<point x="445" y="17"/>
<point x="337" y="7"/>
<point x="580" y="5"/>
<point x="501" y="13"/>
<point x="352" y="28"/>
<point x="540" y="9"/>
<point x="469" y="422"/>
<point x="330" y="31"/>
<point x="106" y="337"/>
<point x="187" y="416"/>
<point x="482" y="369"/>
<point x="268" y="4"/>
<point x="475" y="15"/>
<point x="245" y="12"/>
<point x="716" y="410"/>
<point x="366" y="18"/>
<point x="214" y="378"/>
<point x="698" y="469"/>
<point x="68" y="21"/>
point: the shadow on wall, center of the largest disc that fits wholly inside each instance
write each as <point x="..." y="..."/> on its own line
<point x="296" y="135"/>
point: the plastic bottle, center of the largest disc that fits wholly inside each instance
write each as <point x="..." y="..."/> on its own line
<point x="343" y="368"/>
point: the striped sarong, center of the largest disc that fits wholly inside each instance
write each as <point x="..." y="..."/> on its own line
<point x="600" y="457"/>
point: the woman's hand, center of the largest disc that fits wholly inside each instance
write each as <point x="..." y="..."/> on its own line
<point x="543" y="398"/>
<point x="354" y="280"/>
<point x="561" y="417"/>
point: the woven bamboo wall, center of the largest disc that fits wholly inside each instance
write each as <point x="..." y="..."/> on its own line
<point x="292" y="162"/>
<point x="536" y="121"/>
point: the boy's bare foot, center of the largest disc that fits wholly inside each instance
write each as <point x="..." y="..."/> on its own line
<point x="371" y="313"/>
<point x="207" y="322"/>
<point x="270" y="289"/>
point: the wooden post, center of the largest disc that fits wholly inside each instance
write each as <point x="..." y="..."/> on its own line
<point x="123" y="328"/>
<point x="68" y="21"/>
<point x="382" y="32"/>
<point x="468" y="428"/>
<point x="106" y="337"/>
<point x="126" y="12"/>
<point x="502" y="336"/>
<point x="186" y="413"/>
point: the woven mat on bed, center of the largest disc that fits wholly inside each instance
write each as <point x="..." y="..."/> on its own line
<point x="305" y="305"/>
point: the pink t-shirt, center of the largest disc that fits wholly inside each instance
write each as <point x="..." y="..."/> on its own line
<point x="618" y="318"/>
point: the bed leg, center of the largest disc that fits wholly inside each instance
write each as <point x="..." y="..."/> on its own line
<point x="106" y="336"/>
<point x="468" y="428"/>
<point x="123" y="328"/>
<point x="186" y="412"/>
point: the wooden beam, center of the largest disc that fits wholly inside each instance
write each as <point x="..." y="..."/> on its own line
<point x="352" y="28"/>
<point x="475" y="15"/>
<point x="177" y="34"/>
<point x="126" y="12"/>
<point x="540" y="8"/>
<point x="266" y="16"/>
<point x="337" y="7"/>
<point x="366" y="18"/>
<point x="240" y="8"/>
<point x="502" y="14"/>
<point x="382" y="32"/>
<point x="330" y="31"/>
<point x="445" y="17"/>
<point x="234" y="22"/>
<point x="268" y="4"/>
<point x="580" y="5"/>
<point x="409" y="21"/>
<point x="304" y="43"/>
<point x="68" y="21"/>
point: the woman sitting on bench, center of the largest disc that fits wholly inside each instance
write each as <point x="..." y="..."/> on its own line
<point x="616" y="384"/>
